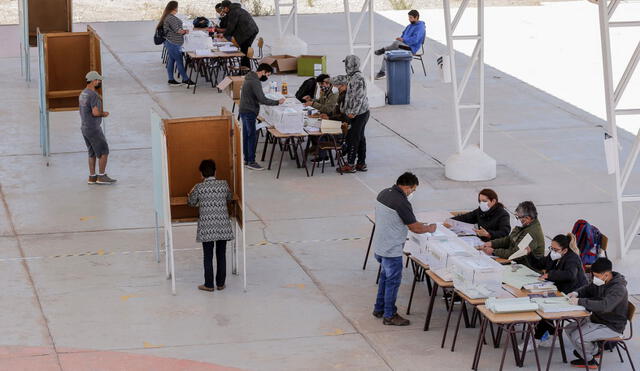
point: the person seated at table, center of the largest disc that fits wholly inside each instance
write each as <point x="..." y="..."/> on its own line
<point x="340" y="84"/>
<point x="222" y="26"/>
<point x="490" y="216"/>
<point x="527" y="217"/>
<point x="214" y="225"/>
<point x="608" y="301"/>
<point x="563" y="267"/>
<point x="328" y="98"/>
<point x="241" y="27"/>
<point x="411" y="39"/>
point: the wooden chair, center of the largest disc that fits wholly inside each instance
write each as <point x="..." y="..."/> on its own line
<point x="620" y="342"/>
<point x="332" y="144"/>
<point x="604" y="243"/>
<point x="418" y="56"/>
<point x="255" y="60"/>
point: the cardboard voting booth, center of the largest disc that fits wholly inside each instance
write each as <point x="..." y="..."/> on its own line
<point x="65" y="59"/>
<point x="178" y="147"/>
<point x="46" y="15"/>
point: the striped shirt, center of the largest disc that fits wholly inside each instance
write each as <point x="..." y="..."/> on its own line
<point x="172" y="25"/>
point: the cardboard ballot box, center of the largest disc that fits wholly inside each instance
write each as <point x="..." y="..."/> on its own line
<point x="232" y="84"/>
<point x="312" y="65"/>
<point x="281" y="63"/>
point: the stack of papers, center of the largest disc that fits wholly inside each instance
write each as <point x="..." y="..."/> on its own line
<point x="512" y="305"/>
<point x="331" y="127"/>
<point x="204" y="53"/>
<point x="521" y="277"/>
<point x="461" y="228"/>
<point x="228" y="49"/>
<point x="556" y="305"/>
<point x="541" y="286"/>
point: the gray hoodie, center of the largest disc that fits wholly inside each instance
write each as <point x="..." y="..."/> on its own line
<point x="607" y="303"/>
<point x="252" y="96"/>
<point x="355" y="102"/>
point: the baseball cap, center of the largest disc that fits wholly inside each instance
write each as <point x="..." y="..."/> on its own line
<point x="93" y="75"/>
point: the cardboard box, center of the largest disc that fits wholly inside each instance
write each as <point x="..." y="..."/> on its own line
<point x="312" y="65"/>
<point x="232" y="84"/>
<point x="281" y="63"/>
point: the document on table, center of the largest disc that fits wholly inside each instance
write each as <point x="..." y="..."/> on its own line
<point x="522" y="245"/>
<point x="523" y="276"/>
<point x="461" y="228"/>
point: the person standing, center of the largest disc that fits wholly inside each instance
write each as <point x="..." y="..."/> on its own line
<point x="174" y="38"/>
<point x="356" y="108"/>
<point x="411" y="39"/>
<point x="251" y="97"/>
<point x="91" y="114"/>
<point x="241" y="27"/>
<point x="214" y="224"/>
<point x="222" y="25"/>
<point x="394" y="218"/>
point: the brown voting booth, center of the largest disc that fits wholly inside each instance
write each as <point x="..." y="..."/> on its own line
<point x="178" y="147"/>
<point x="48" y="16"/>
<point x="68" y="56"/>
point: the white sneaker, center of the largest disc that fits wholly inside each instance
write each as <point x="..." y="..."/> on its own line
<point x="547" y="343"/>
<point x="529" y="346"/>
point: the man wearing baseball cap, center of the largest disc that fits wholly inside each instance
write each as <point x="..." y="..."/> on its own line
<point x="91" y="115"/>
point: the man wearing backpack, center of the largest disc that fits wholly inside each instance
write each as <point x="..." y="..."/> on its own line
<point x="241" y="27"/>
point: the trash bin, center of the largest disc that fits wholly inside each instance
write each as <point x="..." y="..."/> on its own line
<point x="398" y="76"/>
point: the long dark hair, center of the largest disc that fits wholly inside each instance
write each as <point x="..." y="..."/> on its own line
<point x="171" y="6"/>
<point x="567" y="241"/>
<point x="491" y="195"/>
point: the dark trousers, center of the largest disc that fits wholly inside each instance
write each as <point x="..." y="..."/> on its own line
<point x="541" y="328"/>
<point x="356" y="141"/>
<point x="221" y="262"/>
<point x="249" y="136"/>
<point x="244" y="47"/>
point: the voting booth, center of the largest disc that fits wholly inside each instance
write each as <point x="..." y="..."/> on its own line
<point x="178" y="147"/>
<point x="64" y="60"/>
<point x="45" y="15"/>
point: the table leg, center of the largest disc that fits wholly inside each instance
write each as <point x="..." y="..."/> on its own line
<point x="198" y="66"/>
<point x="563" y="352"/>
<point x="413" y="285"/>
<point x="446" y="324"/>
<point x="286" y="146"/>
<point x="273" y="149"/>
<point x="266" y="143"/>
<point x="483" y="328"/>
<point x="533" y="344"/>
<point x="584" y="352"/>
<point x="432" y="299"/>
<point x="506" y="345"/>
<point x="463" y="307"/>
<point x="556" y="330"/>
<point x="366" y="257"/>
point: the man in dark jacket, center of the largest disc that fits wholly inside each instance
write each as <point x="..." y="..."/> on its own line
<point x="223" y="19"/>
<point x="241" y="26"/>
<point x="608" y="301"/>
<point x="251" y="97"/>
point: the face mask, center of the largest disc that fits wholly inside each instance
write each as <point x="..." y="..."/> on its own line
<point x="410" y="197"/>
<point x="413" y="22"/>
<point x="98" y="86"/>
<point x="597" y="281"/>
<point x="264" y="78"/>
<point x="518" y="223"/>
<point x="334" y="90"/>
<point x="325" y="89"/>
<point x="484" y="206"/>
<point x="554" y="255"/>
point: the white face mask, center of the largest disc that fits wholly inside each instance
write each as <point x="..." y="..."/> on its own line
<point x="410" y="197"/>
<point x="518" y="223"/>
<point x="484" y="206"/>
<point x="554" y="255"/>
<point x="597" y="281"/>
<point x="334" y="90"/>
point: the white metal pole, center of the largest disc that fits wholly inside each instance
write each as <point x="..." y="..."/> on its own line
<point x="157" y="230"/>
<point x="611" y="116"/>
<point x="295" y="17"/>
<point x="454" y="78"/>
<point x="347" y="13"/>
<point x="234" y="251"/>
<point x="371" y="40"/>
<point x="481" y="70"/>
<point x="280" y="31"/>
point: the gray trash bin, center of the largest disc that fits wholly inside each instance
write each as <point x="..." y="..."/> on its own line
<point x="398" y="76"/>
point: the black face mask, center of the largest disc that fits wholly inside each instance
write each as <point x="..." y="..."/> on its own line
<point x="264" y="78"/>
<point x="98" y="86"/>
<point x="414" y="22"/>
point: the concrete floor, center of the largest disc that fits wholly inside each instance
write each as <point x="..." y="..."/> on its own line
<point x="82" y="288"/>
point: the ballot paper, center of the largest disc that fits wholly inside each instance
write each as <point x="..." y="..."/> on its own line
<point x="461" y="228"/>
<point x="519" y="278"/>
<point x="228" y="49"/>
<point x="522" y="245"/>
<point x="511" y="305"/>
<point x="556" y="305"/>
<point x="331" y="127"/>
<point x="472" y="241"/>
<point x="204" y="52"/>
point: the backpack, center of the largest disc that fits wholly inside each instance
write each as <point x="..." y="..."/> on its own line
<point x="159" y="36"/>
<point x="308" y="87"/>
<point x="589" y="241"/>
<point x="201" y="22"/>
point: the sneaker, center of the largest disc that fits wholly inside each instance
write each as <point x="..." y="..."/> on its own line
<point x="579" y="356"/>
<point x="346" y="169"/>
<point x="361" y="167"/>
<point x="220" y="288"/>
<point x="104" y="179"/>
<point x="581" y="364"/>
<point x="379" y="51"/>
<point x="188" y="82"/>
<point x="547" y="343"/>
<point x="173" y="83"/>
<point x="92" y="179"/>
<point x="380" y="75"/>
<point x="254" y="166"/>
<point x="205" y="288"/>
<point x="529" y="345"/>
<point x="377" y="314"/>
<point x="396" y="320"/>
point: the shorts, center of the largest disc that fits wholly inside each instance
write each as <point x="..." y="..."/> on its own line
<point x="96" y="143"/>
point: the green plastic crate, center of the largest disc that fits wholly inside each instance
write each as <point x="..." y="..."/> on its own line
<point x="306" y="65"/>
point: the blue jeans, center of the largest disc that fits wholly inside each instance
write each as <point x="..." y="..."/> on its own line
<point x="390" y="279"/>
<point x="174" y="55"/>
<point x="249" y="136"/>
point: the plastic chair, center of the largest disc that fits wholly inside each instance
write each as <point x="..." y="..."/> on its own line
<point x="418" y="56"/>
<point x="620" y="342"/>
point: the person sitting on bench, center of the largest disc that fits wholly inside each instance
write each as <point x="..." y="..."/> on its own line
<point x="608" y="300"/>
<point x="411" y="39"/>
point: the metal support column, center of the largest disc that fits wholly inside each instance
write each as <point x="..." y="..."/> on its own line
<point x="291" y="17"/>
<point x="352" y="34"/>
<point x="613" y="95"/>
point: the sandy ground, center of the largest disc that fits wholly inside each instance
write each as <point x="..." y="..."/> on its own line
<point x="135" y="10"/>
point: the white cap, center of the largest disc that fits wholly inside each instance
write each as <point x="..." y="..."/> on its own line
<point x="93" y="75"/>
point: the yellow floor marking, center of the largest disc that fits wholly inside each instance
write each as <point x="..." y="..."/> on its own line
<point x="100" y="252"/>
<point x="127" y="297"/>
<point x="296" y="285"/>
<point x="149" y="345"/>
<point x="85" y="218"/>
<point x="335" y="332"/>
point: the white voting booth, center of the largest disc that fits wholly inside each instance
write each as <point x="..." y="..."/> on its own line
<point x="178" y="146"/>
